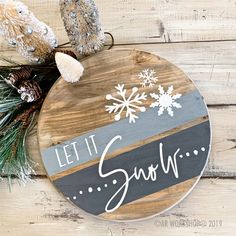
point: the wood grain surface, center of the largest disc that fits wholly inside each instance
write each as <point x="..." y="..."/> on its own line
<point x="156" y="202"/>
<point x="201" y="40"/>
<point x="102" y="72"/>
<point x="72" y="110"/>
<point x="42" y="211"/>
<point x="152" y="21"/>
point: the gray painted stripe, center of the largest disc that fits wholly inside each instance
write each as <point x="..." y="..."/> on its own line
<point x="149" y="124"/>
<point x="191" y="165"/>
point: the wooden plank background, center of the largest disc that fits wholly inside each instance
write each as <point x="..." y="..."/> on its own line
<point x="198" y="36"/>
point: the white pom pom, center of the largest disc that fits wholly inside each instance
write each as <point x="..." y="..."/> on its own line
<point x="71" y="70"/>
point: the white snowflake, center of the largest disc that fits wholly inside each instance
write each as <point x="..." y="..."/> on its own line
<point x="130" y="103"/>
<point x="166" y="101"/>
<point x="148" y="78"/>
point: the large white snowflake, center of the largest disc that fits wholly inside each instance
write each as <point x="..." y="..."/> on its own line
<point x="148" y="78"/>
<point x="166" y="101"/>
<point x="131" y="103"/>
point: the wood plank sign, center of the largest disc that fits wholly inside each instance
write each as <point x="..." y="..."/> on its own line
<point x="130" y="140"/>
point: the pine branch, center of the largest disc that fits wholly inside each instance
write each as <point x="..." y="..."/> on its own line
<point x="14" y="159"/>
<point x="16" y="117"/>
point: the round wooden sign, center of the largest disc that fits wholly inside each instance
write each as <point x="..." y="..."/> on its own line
<point x="130" y="140"/>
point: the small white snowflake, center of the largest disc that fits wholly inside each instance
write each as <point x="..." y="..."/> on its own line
<point x="148" y="78"/>
<point x="166" y="101"/>
<point x="130" y="103"/>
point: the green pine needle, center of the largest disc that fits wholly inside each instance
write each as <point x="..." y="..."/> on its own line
<point x="9" y="99"/>
<point x="14" y="160"/>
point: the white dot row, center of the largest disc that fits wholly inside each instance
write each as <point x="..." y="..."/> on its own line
<point x="91" y="189"/>
<point x="195" y="152"/>
<point x="99" y="189"/>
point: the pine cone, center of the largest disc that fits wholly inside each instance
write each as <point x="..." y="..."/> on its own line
<point x="30" y="91"/>
<point x="16" y="77"/>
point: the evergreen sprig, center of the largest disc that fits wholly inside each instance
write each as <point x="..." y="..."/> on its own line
<point x="14" y="160"/>
<point x="16" y="118"/>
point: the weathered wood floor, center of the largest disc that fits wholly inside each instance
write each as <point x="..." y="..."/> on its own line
<point x="200" y="38"/>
